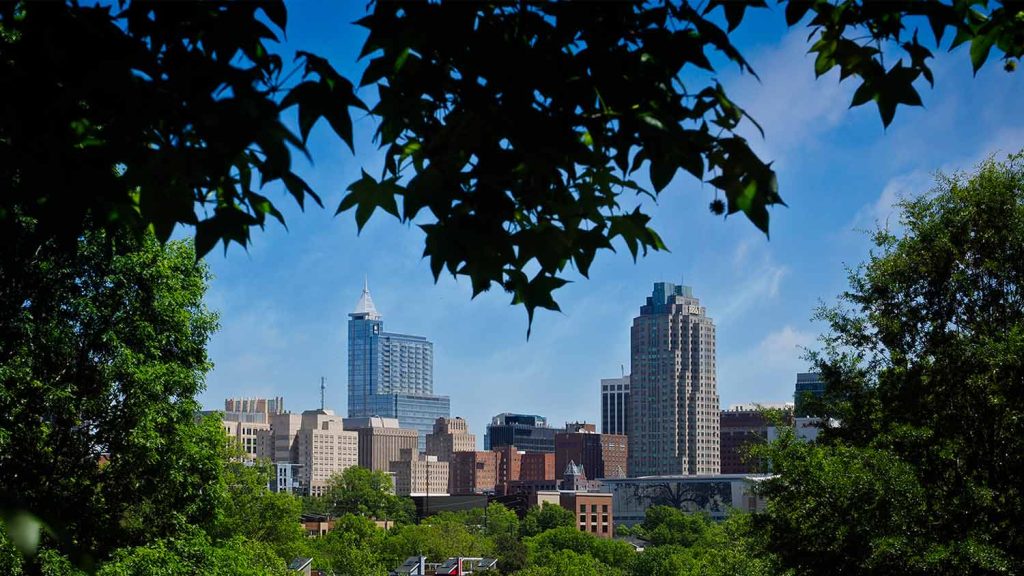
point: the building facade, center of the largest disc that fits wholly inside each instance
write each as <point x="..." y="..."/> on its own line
<point x="391" y="375"/>
<point x="537" y="466"/>
<point x="473" y="472"/>
<point x="593" y="511"/>
<point x="715" y="495"/>
<point x="674" y="406"/>
<point x="450" y="435"/>
<point x="250" y="437"/>
<point x="528" y="432"/>
<point x="254" y="409"/>
<point x="381" y="440"/>
<point x="740" y="429"/>
<point x="325" y="448"/>
<point x="601" y="455"/>
<point x="808" y="386"/>
<point x="615" y="405"/>
<point x="420" y="475"/>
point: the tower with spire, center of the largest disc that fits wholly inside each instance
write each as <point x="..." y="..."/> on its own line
<point x="391" y="375"/>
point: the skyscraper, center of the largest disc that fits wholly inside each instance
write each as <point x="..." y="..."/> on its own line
<point x="674" y="416"/>
<point x="615" y="405"/>
<point x="808" y="387"/>
<point x="391" y="375"/>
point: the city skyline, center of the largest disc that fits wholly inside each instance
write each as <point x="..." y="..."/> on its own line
<point x="284" y="301"/>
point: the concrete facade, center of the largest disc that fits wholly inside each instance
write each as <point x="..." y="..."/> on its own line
<point x="450" y="435"/>
<point x="674" y="405"/>
<point x="381" y="441"/>
<point x="325" y="448"/>
<point x="420" y="475"/>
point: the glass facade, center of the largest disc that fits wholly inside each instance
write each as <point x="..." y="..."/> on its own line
<point x="391" y="375"/>
<point x="808" y="385"/>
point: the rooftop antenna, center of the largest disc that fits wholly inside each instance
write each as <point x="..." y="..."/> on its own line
<point x="323" y="388"/>
<point x="622" y="367"/>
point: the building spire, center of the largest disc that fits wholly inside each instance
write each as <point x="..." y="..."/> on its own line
<point x="365" y="308"/>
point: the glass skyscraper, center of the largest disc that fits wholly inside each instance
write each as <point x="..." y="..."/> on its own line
<point x="391" y="375"/>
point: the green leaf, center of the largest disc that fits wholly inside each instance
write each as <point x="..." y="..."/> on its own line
<point x="980" y="47"/>
<point x="796" y="10"/>
<point x="662" y="171"/>
<point x="366" y="195"/>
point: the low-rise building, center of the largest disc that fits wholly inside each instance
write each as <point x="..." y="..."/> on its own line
<point x="420" y="475"/>
<point x="712" y="494"/>
<point x="593" y="511"/>
<point x="473" y="472"/>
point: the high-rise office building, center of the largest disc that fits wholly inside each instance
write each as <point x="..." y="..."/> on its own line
<point x="615" y="405"/>
<point x="391" y="375"/>
<point x="808" y="386"/>
<point x="527" y="432"/>
<point x="450" y="435"/>
<point x="674" y="416"/>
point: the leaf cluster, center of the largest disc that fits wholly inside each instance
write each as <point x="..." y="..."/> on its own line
<point x="146" y="115"/>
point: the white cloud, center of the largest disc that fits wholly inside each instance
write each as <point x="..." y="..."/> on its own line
<point x="767" y="371"/>
<point x="752" y="286"/>
<point x="882" y="212"/>
<point x="791" y="104"/>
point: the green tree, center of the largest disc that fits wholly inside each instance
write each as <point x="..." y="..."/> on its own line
<point x="923" y="369"/>
<point x="104" y="351"/>
<point x="511" y="553"/>
<point x="192" y="552"/>
<point x="542" y="547"/>
<point x="253" y="512"/>
<point x="569" y="563"/>
<point x="352" y="548"/>
<point x="438" y="538"/>
<point x="517" y="126"/>
<point x="545" y="517"/>
<point x="365" y="492"/>
<point x="667" y="525"/>
<point x="492" y="521"/>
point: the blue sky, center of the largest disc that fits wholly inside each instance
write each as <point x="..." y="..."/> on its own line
<point x="284" y="302"/>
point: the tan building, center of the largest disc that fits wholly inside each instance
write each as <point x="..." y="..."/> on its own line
<point x="253" y="409"/>
<point x="381" y="441"/>
<point x="420" y="475"/>
<point x="251" y="437"/>
<point x="450" y="435"/>
<point x="325" y="448"/>
<point x="673" y="394"/>
<point x="473" y="472"/>
<point x="593" y="512"/>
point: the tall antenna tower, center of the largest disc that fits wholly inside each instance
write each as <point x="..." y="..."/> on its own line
<point x="323" y="388"/>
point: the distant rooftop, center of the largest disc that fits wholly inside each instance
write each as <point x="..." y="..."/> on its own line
<point x="365" y="308"/>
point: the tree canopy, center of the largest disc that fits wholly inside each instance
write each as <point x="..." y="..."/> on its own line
<point x="920" y="471"/>
<point x="510" y="131"/>
<point x="104" y="352"/>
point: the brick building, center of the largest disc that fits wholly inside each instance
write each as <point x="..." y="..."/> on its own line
<point x="601" y="455"/>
